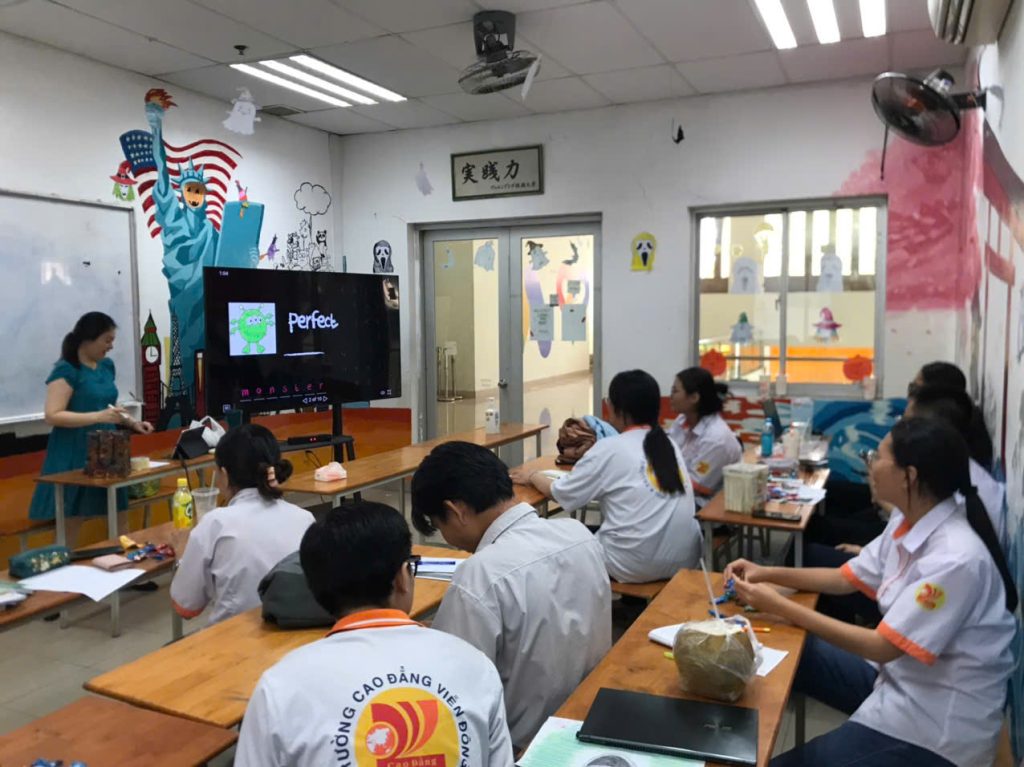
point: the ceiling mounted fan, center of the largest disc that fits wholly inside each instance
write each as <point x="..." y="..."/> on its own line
<point x="498" y="66"/>
<point x="923" y="111"/>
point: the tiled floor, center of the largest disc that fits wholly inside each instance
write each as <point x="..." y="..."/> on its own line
<point x="43" y="667"/>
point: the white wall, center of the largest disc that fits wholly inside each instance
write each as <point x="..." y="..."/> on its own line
<point x="620" y="163"/>
<point x="61" y="119"/>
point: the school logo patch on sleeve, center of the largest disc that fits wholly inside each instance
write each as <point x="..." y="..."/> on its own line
<point x="930" y="596"/>
<point x="703" y="468"/>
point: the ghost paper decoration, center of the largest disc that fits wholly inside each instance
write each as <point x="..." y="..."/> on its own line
<point x="826" y="328"/>
<point x="831" y="278"/>
<point x="243" y="114"/>
<point x="745" y="276"/>
<point x="382" y="257"/>
<point x="422" y="182"/>
<point x="484" y="257"/>
<point x="538" y="256"/>
<point x="644" y="247"/>
<point x="742" y="331"/>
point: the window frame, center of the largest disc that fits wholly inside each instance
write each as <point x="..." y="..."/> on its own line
<point x="786" y="207"/>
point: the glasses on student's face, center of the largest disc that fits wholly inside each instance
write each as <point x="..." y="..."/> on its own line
<point x="414" y="564"/>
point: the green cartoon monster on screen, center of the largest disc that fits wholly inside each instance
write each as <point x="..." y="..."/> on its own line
<point x="252" y="325"/>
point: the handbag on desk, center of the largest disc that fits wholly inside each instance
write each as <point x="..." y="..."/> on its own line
<point x="287" y="600"/>
<point x="36" y="561"/>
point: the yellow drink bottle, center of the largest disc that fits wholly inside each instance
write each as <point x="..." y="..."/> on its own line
<point x="184" y="510"/>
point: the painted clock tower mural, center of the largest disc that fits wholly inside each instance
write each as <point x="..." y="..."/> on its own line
<point x="151" y="354"/>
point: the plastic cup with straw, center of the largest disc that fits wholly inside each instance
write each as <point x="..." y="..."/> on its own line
<point x="711" y="593"/>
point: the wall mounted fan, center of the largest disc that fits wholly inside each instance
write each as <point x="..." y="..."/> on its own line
<point x="924" y="112"/>
<point x="498" y="66"/>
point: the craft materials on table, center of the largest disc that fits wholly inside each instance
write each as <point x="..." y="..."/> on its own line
<point x="556" y="744"/>
<point x="794" y="491"/>
<point x="12" y="594"/>
<point x="770" y="657"/>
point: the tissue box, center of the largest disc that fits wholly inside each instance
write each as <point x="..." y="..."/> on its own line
<point x="746" y="486"/>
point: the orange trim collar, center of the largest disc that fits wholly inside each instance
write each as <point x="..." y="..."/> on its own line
<point x="908" y="646"/>
<point x="372" y="619"/>
<point x="856" y="582"/>
<point x="636" y="427"/>
<point x="184" y="612"/>
<point x="902" y="530"/>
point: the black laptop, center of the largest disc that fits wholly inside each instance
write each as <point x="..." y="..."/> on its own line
<point x="687" y="728"/>
<point x="191" y="444"/>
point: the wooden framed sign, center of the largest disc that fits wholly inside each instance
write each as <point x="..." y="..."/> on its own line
<point x="498" y="173"/>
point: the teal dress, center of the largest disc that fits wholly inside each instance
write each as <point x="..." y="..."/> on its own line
<point x="91" y="390"/>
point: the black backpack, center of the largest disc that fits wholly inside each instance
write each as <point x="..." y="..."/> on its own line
<point x="287" y="600"/>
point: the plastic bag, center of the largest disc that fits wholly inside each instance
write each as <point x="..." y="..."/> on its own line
<point x="212" y="431"/>
<point x="716" y="658"/>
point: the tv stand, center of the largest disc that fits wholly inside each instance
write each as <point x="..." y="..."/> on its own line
<point x="343" y="445"/>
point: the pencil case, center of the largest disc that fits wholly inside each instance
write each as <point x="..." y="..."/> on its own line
<point x="36" y="561"/>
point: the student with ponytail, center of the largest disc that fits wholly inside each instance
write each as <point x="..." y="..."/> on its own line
<point x="648" y="530"/>
<point x="927" y="686"/>
<point x="705" y="440"/>
<point x="234" y="546"/>
<point x="80" y="397"/>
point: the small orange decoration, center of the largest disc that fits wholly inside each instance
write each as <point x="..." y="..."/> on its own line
<point x="857" y="368"/>
<point x="714" y="362"/>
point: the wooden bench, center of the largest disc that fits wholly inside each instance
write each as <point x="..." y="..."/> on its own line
<point x="645" y="591"/>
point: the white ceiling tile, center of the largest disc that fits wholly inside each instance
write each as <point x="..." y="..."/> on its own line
<point x="395" y="64"/>
<point x="184" y="25"/>
<point x="563" y="95"/>
<point x="799" y="21"/>
<point x="302" y="23"/>
<point x="684" y="30"/>
<point x="407" y="15"/>
<point x="922" y="50"/>
<point x="644" y="84"/>
<point x="734" y="73"/>
<point x="408" y="114"/>
<point x="492" y="106"/>
<point x="220" y="81"/>
<point x="69" y="30"/>
<point x="907" y="15"/>
<point x="452" y="44"/>
<point x="341" y="121"/>
<point x="524" y="6"/>
<point x="588" y="38"/>
<point x="549" y="68"/>
<point x="847" y="58"/>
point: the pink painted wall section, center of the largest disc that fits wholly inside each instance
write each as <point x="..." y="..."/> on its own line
<point x="932" y="256"/>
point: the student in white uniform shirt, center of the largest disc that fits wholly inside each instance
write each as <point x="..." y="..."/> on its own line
<point x="704" y="438"/>
<point x="379" y="688"/>
<point x="534" y="597"/>
<point x="234" y="546"/>
<point x="927" y="686"/>
<point x="648" y="531"/>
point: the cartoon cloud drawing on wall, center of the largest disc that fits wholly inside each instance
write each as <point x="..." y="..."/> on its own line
<point x="190" y="226"/>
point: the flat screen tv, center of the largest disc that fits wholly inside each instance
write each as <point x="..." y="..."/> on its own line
<point x="278" y="339"/>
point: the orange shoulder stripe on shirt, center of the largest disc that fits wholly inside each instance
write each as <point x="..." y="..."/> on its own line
<point x="856" y="582"/>
<point x="184" y="612"/>
<point x="372" y="619"/>
<point x="909" y="647"/>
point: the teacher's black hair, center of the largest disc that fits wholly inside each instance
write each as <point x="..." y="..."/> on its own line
<point x="89" y="327"/>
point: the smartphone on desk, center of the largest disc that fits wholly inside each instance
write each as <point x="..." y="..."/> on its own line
<point x="785" y="516"/>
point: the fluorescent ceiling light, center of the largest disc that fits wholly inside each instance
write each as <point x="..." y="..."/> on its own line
<point x="872" y="17"/>
<point x="823" y="14"/>
<point x="319" y="82"/>
<point x="264" y="75"/>
<point x="774" y="18"/>
<point x="347" y="77"/>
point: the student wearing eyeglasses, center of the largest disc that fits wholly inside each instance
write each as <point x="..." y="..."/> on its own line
<point x="380" y="688"/>
<point x="534" y="597"/>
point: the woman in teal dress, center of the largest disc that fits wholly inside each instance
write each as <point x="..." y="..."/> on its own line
<point x="80" y="397"/>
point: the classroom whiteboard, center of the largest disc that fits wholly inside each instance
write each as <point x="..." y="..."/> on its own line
<point x="58" y="260"/>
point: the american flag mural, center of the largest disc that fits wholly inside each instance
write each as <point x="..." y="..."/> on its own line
<point x="216" y="159"/>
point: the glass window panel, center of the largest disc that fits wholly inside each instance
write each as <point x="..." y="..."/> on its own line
<point x="867" y="240"/>
<point x="725" y="245"/>
<point x="770" y="240"/>
<point x="821" y="235"/>
<point x="708" y="244"/>
<point x="797" y="243"/>
<point x="844" y="238"/>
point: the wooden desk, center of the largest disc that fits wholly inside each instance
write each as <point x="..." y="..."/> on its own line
<point x="636" y="663"/>
<point x="78" y="478"/>
<point x="48" y="602"/>
<point x="208" y="676"/>
<point x="105" y="733"/>
<point x="714" y="514"/>
<point x="531" y="495"/>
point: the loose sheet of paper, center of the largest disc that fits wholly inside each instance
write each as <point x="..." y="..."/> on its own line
<point x="770" y="657"/>
<point x="556" y="744"/>
<point x="83" y="579"/>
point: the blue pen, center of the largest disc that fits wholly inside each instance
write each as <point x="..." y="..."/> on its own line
<point x="438" y="562"/>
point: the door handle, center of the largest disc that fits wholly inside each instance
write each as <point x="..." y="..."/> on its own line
<point x="502" y="383"/>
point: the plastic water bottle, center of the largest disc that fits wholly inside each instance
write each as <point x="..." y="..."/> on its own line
<point x="492" y="419"/>
<point x="182" y="506"/>
<point x="767" y="438"/>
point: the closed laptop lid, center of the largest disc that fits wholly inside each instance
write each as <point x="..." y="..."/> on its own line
<point x="688" y="728"/>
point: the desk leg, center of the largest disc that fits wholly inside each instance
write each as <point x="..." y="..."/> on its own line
<point x="798" y="554"/>
<point x="58" y="517"/>
<point x="800" y="717"/>
<point x="709" y="545"/>
<point x="538" y="444"/>
<point x="177" y="626"/>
